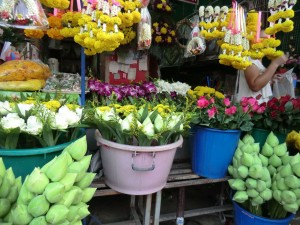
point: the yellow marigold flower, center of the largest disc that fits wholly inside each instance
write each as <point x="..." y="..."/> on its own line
<point x="54" y="34"/>
<point x="38" y="34"/>
<point x="173" y="33"/>
<point x="158" y="39"/>
<point x="168" y="8"/>
<point x="55" y="22"/>
<point x="52" y="105"/>
<point x="169" y="39"/>
<point x="155" y="24"/>
<point x="163" y="30"/>
<point x="159" y="6"/>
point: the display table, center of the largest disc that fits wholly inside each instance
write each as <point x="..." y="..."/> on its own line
<point x="181" y="176"/>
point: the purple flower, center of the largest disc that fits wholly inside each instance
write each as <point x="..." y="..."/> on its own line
<point x="149" y="87"/>
<point x="118" y="92"/>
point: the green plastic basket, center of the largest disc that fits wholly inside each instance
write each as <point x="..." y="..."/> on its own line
<point x="23" y="161"/>
<point x="260" y="136"/>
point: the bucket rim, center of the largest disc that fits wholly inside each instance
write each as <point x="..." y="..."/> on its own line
<point x="136" y="148"/>
<point x="218" y="130"/>
<point x="287" y="219"/>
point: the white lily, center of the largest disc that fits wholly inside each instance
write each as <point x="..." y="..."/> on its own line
<point x="24" y="108"/>
<point x="158" y="123"/>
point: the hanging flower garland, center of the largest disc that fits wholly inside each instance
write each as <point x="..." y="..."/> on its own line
<point x="130" y="14"/>
<point x="280" y="10"/>
<point x="70" y="22"/>
<point x="59" y="4"/>
<point x="163" y="33"/>
<point x="251" y="25"/>
<point x="55" y="25"/>
<point x="162" y="5"/>
<point x="129" y="35"/>
<point x="209" y="22"/>
<point x="35" y="34"/>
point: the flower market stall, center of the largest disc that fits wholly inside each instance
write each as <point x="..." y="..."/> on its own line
<point x="69" y="67"/>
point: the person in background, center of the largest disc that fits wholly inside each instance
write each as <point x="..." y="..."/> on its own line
<point x="256" y="80"/>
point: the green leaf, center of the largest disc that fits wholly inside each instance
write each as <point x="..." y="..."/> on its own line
<point x="145" y="113"/>
<point x="12" y="140"/>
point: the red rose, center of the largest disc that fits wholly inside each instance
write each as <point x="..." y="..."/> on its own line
<point x="273" y="114"/>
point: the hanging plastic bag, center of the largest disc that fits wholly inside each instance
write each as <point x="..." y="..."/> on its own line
<point x="144" y="30"/>
<point x="22" y="14"/>
<point x="285" y="85"/>
<point x="196" y="44"/>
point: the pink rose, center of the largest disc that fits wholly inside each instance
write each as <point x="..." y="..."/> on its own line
<point x="245" y="108"/>
<point x="212" y="100"/>
<point x="244" y="101"/>
<point x="261" y="109"/>
<point x="226" y="102"/>
<point x="231" y="110"/>
<point x="255" y="107"/>
<point x="202" y="102"/>
<point x="252" y="101"/>
<point x="211" y="112"/>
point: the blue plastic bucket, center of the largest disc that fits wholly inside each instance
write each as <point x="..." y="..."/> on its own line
<point x="243" y="217"/>
<point x="213" y="150"/>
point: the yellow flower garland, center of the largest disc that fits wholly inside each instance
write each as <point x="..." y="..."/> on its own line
<point x="129" y="35"/>
<point x="55" y="22"/>
<point x="36" y="34"/>
<point x="59" y="4"/>
<point x="54" y="33"/>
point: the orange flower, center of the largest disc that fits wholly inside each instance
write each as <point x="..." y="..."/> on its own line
<point x="37" y="34"/>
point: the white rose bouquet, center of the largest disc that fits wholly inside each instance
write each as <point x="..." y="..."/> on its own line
<point x="37" y="123"/>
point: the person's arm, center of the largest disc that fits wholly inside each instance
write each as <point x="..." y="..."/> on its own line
<point x="256" y="81"/>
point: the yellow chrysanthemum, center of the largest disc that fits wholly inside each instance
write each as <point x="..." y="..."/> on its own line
<point x="52" y="105"/>
<point x="158" y="39"/>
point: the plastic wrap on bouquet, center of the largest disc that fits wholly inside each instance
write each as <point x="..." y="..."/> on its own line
<point x="144" y="30"/>
<point x="22" y="14"/>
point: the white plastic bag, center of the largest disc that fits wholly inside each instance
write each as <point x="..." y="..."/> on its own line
<point x="284" y="86"/>
<point x="144" y="30"/>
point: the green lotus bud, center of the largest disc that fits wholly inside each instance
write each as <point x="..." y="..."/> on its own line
<point x="2" y="168"/>
<point x="248" y="139"/>
<point x="73" y="213"/>
<point x="247" y="148"/>
<point x="271" y="169"/>
<point x="10" y="176"/>
<point x="265" y="175"/>
<point x="69" y="158"/>
<point x="295" y="159"/>
<point x="13" y="194"/>
<point x="275" y="161"/>
<point x="281" y="185"/>
<point x="292" y="181"/>
<point x="257" y="160"/>
<point x="125" y="123"/>
<point x="58" y="168"/>
<point x="269" y="183"/>
<point x="54" y="192"/>
<point x="277" y="195"/>
<point x="77" y="149"/>
<point x="78" y="169"/>
<point x="255" y="171"/>
<point x="5" y="187"/>
<point x="78" y="196"/>
<point x="18" y="183"/>
<point x="288" y="197"/>
<point x="272" y="140"/>
<point x="20" y="215"/>
<point x="9" y="217"/>
<point x="38" y="206"/>
<point x="292" y="208"/>
<point x="46" y="166"/>
<point x="5" y="206"/>
<point x="68" y="180"/>
<point x="252" y="193"/>
<point x="296" y="169"/>
<point x="247" y="159"/>
<point x="230" y="170"/>
<point x="280" y="150"/>
<point x="261" y="186"/>
<point x="255" y="148"/>
<point x="86" y="180"/>
<point x="158" y="123"/>
<point x="266" y="194"/>
<point x="286" y="171"/>
<point x="240" y="144"/>
<point x="41" y="220"/>
<point x="243" y="171"/>
<point x="37" y="181"/>
<point x="251" y="183"/>
<point x="257" y="201"/>
<point x="236" y="174"/>
<point x="83" y="210"/>
<point x="240" y="196"/>
<point x="237" y="184"/>
<point x="238" y="153"/>
<point x="88" y="194"/>
<point x="264" y="160"/>
<point x="235" y="162"/>
<point x="297" y="193"/>
<point x="285" y="159"/>
<point x="64" y="222"/>
<point x="57" y="214"/>
<point x="25" y="195"/>
<point x="274" y="185"/>
<point x="148" y="127"/>
<point x="267" y="150"/>
<point x="68" y="198"/>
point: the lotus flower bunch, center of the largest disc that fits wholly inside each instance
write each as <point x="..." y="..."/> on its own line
<point x="57" y="193"/>
<point x="267" y="180"/>
<point x="149" y="124"/>
<point x="44" y="122"/>
<point x="102" y="89"/>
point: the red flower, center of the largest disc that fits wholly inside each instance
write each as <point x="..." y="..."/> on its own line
<point x="273" y="114"/>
